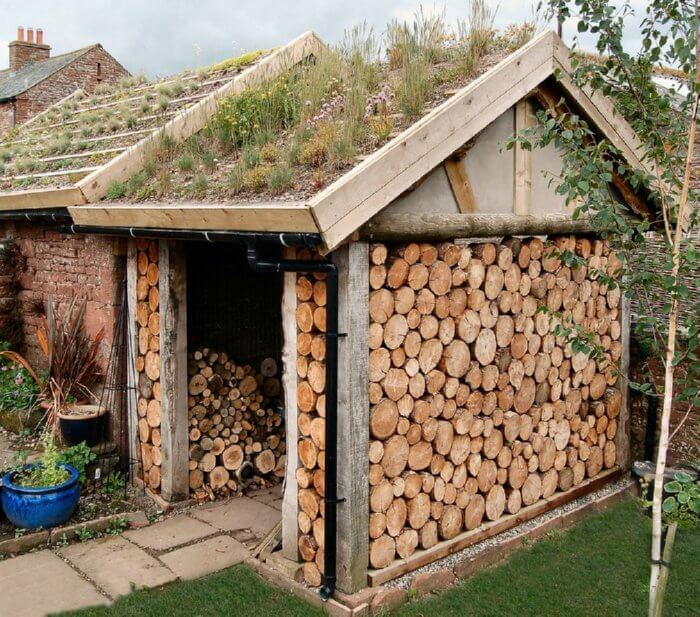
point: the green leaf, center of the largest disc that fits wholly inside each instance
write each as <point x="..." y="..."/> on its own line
<point x="695" y="505"/>
<point x="673" y="487"/>
<point x="683" y="477"/>
<point x="683" y="497"/>
<point x="670" y="505"/>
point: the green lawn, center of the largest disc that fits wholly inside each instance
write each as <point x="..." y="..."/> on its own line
<point x="598" y="568"/>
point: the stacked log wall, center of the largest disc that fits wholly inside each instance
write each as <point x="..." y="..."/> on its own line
<point x="148" y="364"/>
<point x="479" y="404"/>
<point x="311" y="401"/>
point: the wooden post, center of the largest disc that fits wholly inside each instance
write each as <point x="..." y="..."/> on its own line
<point x="460" y="184"/>
<point x="623" y="433"/>
<point x="353" y="416"/>
<point x="523" y="160"/>
<point x="173" y="357"/>
<point x="131" y="352"/>
<point x="290" y="507"/>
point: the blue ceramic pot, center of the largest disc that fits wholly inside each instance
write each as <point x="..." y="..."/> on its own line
<point x="45" y="507"/>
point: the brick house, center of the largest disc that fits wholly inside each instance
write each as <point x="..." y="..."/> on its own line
<point x="36" y="262"/>
<point x="35" y="80"/>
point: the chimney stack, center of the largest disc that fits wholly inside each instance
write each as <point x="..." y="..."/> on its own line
<point x="25" y="51"/>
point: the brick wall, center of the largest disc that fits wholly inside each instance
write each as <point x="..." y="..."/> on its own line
<point x="82" y="73"/>
<point x="63" y="266"/>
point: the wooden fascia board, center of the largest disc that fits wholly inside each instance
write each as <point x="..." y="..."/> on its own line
<point x="275" y="217"/>
<point x="193" y="119"/>
<point x="41" y="198"/>
<point x="353" y="199"/>
<point x="600" y="111"/>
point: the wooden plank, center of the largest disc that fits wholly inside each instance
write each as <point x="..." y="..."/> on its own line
<point x="290" y="504"/>
<point x="53" y="174"/>
<point x="80" y="155"/>
<point x="174" y="422"/>
<point x="487" y="530"/>
<point x="135" y="462"/>
<point x="460" y="184"/>
<point x="357" y="196"/>
<point x="522" y="203"/>
<point x="600" y="111"/>
<point x="623" y="437"/>
<point x="280" y="216"/>
<point x="195" y="117"/>
<point x="41" y="198"/>
<point x="439" y="226"/>
<point x="353" y="416"/>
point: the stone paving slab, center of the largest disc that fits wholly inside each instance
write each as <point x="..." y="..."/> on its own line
<point x="171" y="532"/>
<point x="36" y="584"/>
<point x="116" y="565"/>
<point x="205" y="557"/>
<point x="239" y="513"/>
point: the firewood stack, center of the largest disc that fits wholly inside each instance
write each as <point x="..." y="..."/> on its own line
<point x="311" y="419"/>
<point x="479" y="406"/>
<point x="233" y="419"/>
<point x="148" y="362"/>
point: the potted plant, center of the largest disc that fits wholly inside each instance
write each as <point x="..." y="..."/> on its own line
<point x="73" y="361"/>
<point x="20" y="389"/>
<point x="41" y="494"/>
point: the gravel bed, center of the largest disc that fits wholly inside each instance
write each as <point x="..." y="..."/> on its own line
<point x="449" y="562"/>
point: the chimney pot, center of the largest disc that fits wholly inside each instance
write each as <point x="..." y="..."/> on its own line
<point x="39" y="36"/>
<point x="30" y="35"/>
<point x="20" y="33"/>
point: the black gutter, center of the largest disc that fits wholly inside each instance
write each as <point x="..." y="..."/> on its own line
<point x="254" y="242"/>
<point x="47" y="216"/>
<point x="298" y="239"/>
<point x="262" y="264"/>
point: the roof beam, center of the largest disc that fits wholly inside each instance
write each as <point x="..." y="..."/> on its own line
<point x="274" y="217"/>
<point x="41" y="198"/>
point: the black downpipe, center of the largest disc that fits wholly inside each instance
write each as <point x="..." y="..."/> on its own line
<point x="266" y="264"/>
<point x="48" y="216"/>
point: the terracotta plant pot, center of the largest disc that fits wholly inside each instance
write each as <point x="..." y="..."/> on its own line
<point x="80" y="423"/>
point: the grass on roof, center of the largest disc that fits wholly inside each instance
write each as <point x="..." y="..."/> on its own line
<point x="114" y="117"/>
<point x="600" y="567"/>
<point x="291" y="137"/>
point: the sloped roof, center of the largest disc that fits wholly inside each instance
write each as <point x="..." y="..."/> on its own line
<point x="363" y="190"/>
<point x="14" y="83"/>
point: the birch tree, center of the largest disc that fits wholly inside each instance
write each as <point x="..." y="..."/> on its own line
<point x="656" y="90"/>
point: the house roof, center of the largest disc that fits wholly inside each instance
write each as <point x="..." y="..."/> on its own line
<point x="14" y="83"/>
<point x="363" y="188"/>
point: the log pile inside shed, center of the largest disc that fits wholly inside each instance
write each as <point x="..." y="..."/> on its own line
<point x="234" y="417"/>
<point x="479" y="405"/>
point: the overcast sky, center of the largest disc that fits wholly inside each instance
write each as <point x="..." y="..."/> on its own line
<point x="161" y="37"/>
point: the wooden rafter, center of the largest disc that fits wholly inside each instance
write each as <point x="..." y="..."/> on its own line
<point x="460" y="184"/>
<point x="552" y="100"/>
<point x="41" y="198"/>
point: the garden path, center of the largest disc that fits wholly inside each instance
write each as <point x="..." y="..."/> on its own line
<point x="185" y="546"/>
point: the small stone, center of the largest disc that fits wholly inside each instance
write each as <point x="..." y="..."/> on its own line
<point x="387" y="599"/>
<point x="433" y="582"/>
<point x="364" y="596"/>
<point x="137" y="519"/>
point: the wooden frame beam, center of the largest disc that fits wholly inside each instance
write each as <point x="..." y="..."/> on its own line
<point x="522" y="203"/>
<point x="282" y="216"/>
<point x="353" y="416"/>
<point x="174" y="423"/>
<point x="434" y="226"/>
<point x="41" y="198"/>
<point x="460" y="184"/>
